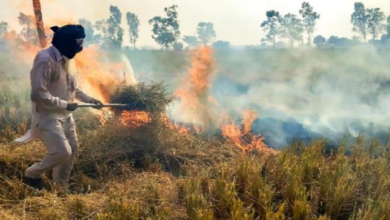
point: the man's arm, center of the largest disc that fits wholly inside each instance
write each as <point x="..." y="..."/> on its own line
<point x="81" y="96"/>
<point x="40" y="78"/>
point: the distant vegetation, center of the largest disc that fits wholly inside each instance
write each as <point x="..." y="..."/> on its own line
<point x="290" y="30"/>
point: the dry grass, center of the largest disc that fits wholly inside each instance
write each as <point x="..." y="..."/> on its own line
<point x="152" y="97"/>
<point x="145" y="172"/>
<point x="121" y="173"/>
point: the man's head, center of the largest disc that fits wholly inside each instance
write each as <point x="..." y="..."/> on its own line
<point x="68" y="39"/>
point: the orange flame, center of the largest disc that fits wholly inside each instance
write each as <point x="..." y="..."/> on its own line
<point x="134" y="118"/>
<point x="97" y="79"/>
<point x="244" y="140"/>
<point x="195" y="100"/>
<point x="248" y="119"/>
<point x="182" y="129"/>
<point x="197" y="104"/>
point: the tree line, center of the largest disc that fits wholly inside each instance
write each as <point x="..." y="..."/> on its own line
<point x="365" y="22"/>
<point x="291" y="28"/>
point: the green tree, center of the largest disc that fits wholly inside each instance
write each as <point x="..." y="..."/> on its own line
<point x="206" y="32"/>
<point x="101" y="31"/>
<point x="221" y="45"/>
<point x="272" y="26"/>
<point x="191" y="41"/>
<point x="3" y="28"/>
<point x="3" y="31"/>
<point x="375" y="18"/>
<point x="29" y="31"/>
<point x="309" y="20"/>
<point x="359" y="20"/>
<point x="166" y="29"/>
<point x="388" y="26"/>
<point x="319" y="41"/>
<point x="178" y="46"/>
<point x="89" y="31"/>
<point x="133" y="22"/>
<point x="386" y="37"/>
<point x="292" y="28"/>
<point x="114" y="30"/>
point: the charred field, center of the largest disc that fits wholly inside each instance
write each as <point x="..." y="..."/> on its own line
<point x="245" y="134"/>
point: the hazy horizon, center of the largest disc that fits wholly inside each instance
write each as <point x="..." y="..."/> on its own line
<point x="235" y="21"/>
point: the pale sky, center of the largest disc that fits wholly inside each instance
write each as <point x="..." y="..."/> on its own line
<point x="236" y="21"/>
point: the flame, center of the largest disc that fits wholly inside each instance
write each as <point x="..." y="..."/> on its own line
<point x="248" y="119"/>
<point x="97" y="79"/>
<point x="134" y="118"/>
<point x="100" y="77"/>
<point x="245" y="142"/>
<point x="242" y="137"/>
<point x="197" y="105"/>
<point x="194" y="98"/>
<point x="182" y="129"/>
<point x="233" y="132"/>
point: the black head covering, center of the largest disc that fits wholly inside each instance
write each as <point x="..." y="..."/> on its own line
<point x="64" y="39"/>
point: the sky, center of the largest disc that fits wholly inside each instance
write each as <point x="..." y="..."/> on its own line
<point x="236" y="21"/>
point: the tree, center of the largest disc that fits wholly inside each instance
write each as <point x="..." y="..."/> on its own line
<point x="309" y="20"/>
<point x="89" y="31"/>
<point x="166" y="30"/>
<point x="375" y="17"/>
<point x="205" y="32"/>
<point x="133" y="22"/>
<point x="319" y="40"/>
<point x="192" y="41"/>
<point x="101" y="32"/>
<point x="221" y="45"/>
<point x="388" y="26"/>
<point x="292" y="28"/>
<point x="272" y="26"/>
<point x="356" y="39"/>
<point x="177" y="46"/>
<point x="29" y="31"/>
<point x="340" y="41"/>
<point x="3" y="28"/>
<point x="386" y="37"/>
<point x="359" y="20"/>
<point x="3" y="31"/>
<point x="281" y="45"/>
<point x="114" y="29"/>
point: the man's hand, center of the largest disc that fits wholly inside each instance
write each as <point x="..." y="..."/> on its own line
<point x="98" y="104"/>
<point x="72" y="106"/>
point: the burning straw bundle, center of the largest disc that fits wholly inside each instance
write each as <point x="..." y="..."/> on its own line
<point x="152" y="98"/>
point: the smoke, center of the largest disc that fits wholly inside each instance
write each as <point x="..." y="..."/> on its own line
<point x="307" y="94"/>
<point x="101" y="72"/>
<point x="299" y="94"/>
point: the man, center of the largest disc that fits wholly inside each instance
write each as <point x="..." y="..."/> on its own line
<point x="53" y="90"/>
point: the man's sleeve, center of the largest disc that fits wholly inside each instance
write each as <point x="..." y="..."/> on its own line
<point x="40" y="78"/>
<point x="81" y="96"/>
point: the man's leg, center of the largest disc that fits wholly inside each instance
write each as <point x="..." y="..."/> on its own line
<point x="62" y="172"/>
<point x="54" y="139"/>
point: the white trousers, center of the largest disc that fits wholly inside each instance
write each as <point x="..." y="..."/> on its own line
<point x="60" y="139"/>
